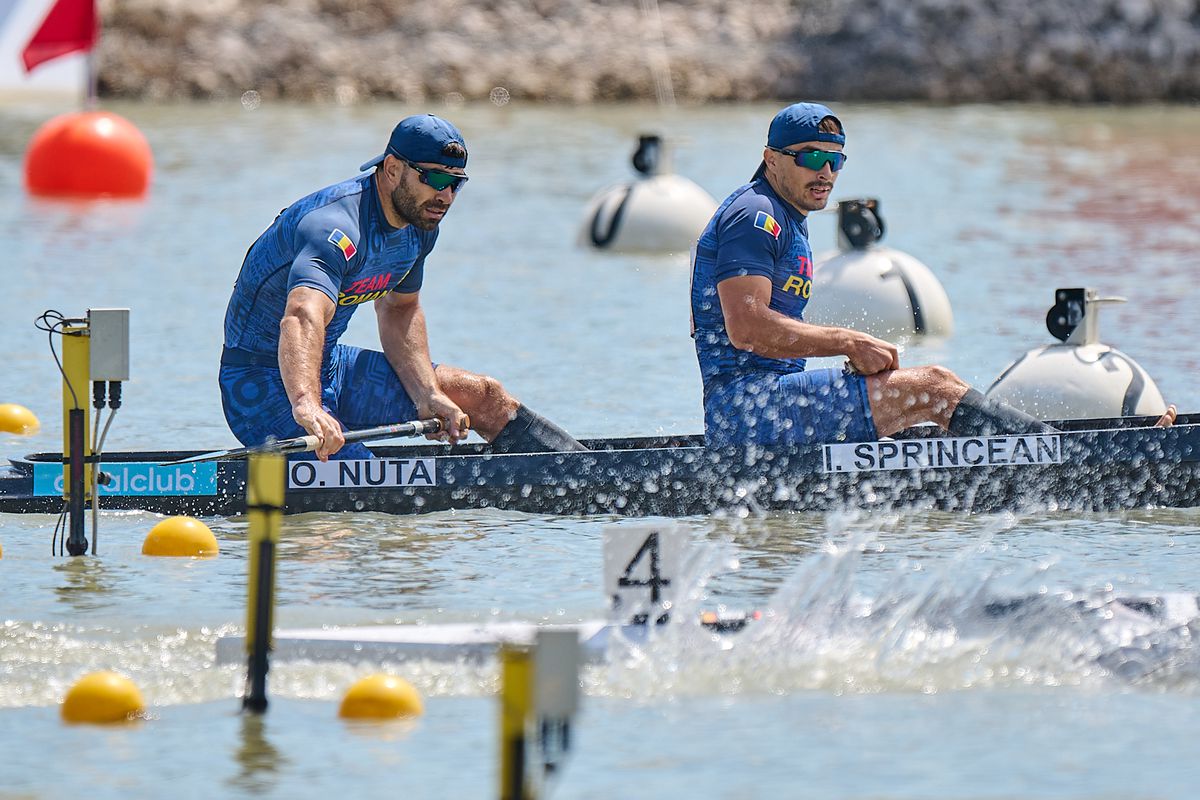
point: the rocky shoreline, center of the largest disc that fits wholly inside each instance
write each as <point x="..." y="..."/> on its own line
<point x="583" y="51"/>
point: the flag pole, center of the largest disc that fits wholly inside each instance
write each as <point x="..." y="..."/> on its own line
<point x="89" y="100"/>
<point x="93" y="93"/>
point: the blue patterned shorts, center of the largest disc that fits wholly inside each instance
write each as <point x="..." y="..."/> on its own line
<point x="358" y="387"/>
<point x="810" y="407"/>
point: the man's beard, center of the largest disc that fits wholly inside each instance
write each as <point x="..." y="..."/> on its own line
<point x="407" y="207"/>
<point x="820" y="204"/>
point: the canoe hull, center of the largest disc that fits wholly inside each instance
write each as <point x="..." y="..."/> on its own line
<point x="1088" y="470"/>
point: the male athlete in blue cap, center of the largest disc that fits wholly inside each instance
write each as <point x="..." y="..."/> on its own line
<point x="752" y="277"/>
<point x="283" y="373"/>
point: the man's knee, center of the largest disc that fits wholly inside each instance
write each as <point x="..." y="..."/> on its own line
<point x="928" y="389"/>
<point x="492" y="392"/>
<point x="943" y="383"/>
<point x="479" y="390"/>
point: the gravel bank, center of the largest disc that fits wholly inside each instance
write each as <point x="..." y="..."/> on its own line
<point x="577" y="51"/>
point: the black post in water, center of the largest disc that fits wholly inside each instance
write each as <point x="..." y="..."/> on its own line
<point x="258" y="664"/>
<point x="77" y="543"/>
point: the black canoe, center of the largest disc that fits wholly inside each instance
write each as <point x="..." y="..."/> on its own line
<point x="1091" y="465"/>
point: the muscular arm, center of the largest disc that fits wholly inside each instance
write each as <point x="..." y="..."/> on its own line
<point x="301" y="345"/>
<point x="406" y="345"/>
<point x="752" y="325"/>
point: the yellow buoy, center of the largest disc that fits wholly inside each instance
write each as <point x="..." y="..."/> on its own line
<point x="18" y="419"/>
<point x="381" y="697"/>
<point x="180" y="536"/>
<point x="102" y="697"/>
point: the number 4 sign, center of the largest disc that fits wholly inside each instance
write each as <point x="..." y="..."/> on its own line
<point x="642" y="565"/>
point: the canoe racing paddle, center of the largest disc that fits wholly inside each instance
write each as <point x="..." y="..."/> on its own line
<point x="304" y="444"/>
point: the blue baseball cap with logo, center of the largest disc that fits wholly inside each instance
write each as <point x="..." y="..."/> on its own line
<point x="800" y="122"/>
<point x="422" y="138"/>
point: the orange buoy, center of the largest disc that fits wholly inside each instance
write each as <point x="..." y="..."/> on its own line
<point x="88" y="154"/>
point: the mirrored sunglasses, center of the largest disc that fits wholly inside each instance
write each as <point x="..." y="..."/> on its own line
<point x="437" y="179"/>
<point x="815" y="159"/>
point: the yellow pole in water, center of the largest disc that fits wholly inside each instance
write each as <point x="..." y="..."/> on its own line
<point x="77" y="444"/>
<point x="264" y="506"/>
<point x="516" y="706"/>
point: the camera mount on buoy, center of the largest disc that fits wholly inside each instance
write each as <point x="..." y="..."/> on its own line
<point x="1073" y="306"/>
<point x="859" y="223"/>
<point x="656" y="212"/>
<point x="648" y="154"/>
<point x="1078" y="377"/>
<point x="873" y="288"/>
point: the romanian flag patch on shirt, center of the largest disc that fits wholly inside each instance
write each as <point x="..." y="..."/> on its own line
<point x="767" y="223"/>
<point x="342" y="241"/>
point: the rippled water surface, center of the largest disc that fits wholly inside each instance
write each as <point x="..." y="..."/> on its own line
<point x="882" y="673"/>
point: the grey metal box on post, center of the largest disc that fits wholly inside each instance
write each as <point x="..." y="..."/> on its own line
<point x="109" y="332"/>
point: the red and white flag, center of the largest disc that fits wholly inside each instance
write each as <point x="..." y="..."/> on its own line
<point x="70" y="26"/>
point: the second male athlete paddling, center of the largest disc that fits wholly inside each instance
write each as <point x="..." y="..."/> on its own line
<point x="753" y="276"/>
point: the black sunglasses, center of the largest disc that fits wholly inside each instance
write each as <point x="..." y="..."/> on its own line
<point x="437" y="179"/>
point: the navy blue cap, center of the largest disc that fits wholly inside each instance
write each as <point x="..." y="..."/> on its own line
<point x="799" y="122"/>
<point x="422" y="138"/>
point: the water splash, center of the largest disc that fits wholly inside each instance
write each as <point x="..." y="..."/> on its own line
<point x="964" y="624"/>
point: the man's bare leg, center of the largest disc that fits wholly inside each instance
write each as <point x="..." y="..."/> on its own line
<point x="905" y="397"/>
<point x="499" y="417"/>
